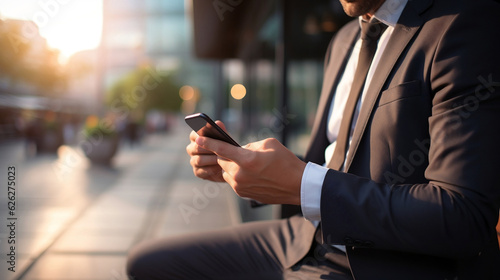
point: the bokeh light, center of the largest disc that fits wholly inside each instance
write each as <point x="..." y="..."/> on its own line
<point x="186" y="93"/>
<point x="238" y="91"/>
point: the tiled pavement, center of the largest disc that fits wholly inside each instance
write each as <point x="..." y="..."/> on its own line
<point x="77" y="221"/>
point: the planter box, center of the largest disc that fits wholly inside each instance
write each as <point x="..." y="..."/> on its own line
<point x="101" y="151"/>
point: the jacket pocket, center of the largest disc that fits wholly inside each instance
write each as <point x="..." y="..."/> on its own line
<point x="402" y="91"/>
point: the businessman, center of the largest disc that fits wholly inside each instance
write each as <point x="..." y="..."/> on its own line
<point x="400" y="180"/>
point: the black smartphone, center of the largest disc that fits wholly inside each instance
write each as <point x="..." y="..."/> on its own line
<point x="205" y="126"/>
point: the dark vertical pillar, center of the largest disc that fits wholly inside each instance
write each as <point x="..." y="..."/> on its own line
<point x="220" y="95"/>
<point x="248" y="101"/>
<point x="282" y="66"/>
<point x="282" y="70"/>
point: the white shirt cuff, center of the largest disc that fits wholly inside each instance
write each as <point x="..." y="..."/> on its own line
<point x="310" y="191"/>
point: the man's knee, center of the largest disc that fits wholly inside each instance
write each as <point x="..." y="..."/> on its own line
<point x="146" y="262"/>
<point x="169" y="258"/>
<point x="137" y="263"/>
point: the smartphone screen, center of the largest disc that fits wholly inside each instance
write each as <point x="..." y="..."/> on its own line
<point x="205" y="126"/>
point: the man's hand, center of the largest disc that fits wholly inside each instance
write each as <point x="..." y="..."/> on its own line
<point x="204" y="162"/>
<point x="265" y="171"/>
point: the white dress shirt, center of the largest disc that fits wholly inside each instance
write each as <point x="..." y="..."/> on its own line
<point x="314" y="174"/>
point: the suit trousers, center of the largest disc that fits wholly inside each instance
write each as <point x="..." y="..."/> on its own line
<point x="256" y="250"/>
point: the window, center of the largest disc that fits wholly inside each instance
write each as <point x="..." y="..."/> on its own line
<point x="162" y="6"/>
<point x="166" y="34"/>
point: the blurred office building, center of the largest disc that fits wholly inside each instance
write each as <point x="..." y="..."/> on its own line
<point x="155" y="34"/>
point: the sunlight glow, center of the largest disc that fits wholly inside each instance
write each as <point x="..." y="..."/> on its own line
<point x="68" y="25"/>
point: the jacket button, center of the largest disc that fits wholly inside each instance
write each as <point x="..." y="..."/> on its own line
<point x="358" y="243"/>
<point x="348" y="241"/>
<point x="368" y="244"/>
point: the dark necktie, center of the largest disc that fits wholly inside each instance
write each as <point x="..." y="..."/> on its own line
<point x="370" y="33"/>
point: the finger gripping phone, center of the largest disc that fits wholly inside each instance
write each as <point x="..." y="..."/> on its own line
<point x="205" y="126"/>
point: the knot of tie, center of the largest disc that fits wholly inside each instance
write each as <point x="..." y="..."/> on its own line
<point x="371" y="31"/>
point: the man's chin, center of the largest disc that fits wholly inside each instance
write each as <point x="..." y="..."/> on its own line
<point x="355" y="8"/>
<point x="352" y="11"/>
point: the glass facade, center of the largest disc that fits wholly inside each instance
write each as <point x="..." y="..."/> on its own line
<point x="155" y="33"/>
<point x="276" y="50"/>
<point x="259" y="114"/>
<point x="124" y="33"/>
<point x="166" y="34"/>
<point x="164" y="7"/>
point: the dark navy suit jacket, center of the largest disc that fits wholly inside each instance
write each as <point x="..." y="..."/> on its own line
<point x="421" y="196"/>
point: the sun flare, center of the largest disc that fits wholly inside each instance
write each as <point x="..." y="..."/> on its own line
<point x="69" y="26"/>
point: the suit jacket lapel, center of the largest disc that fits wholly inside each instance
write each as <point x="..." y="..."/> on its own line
<point x="336" y="61"/>
<point x="410" y="21"/>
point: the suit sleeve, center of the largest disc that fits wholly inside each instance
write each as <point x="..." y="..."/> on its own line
<point x="454" y="213"/>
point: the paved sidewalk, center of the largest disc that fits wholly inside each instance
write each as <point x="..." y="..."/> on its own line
<point x="79" y="222"/>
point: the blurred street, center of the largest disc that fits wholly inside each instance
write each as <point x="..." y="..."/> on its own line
<point x="75" y="220"/>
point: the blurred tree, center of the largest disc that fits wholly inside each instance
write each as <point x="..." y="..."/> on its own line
<point x="26" y="57"/>
<point x="143" y="90"/>
<point x="48" y="74"/>
<point x="14" y="48"/>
